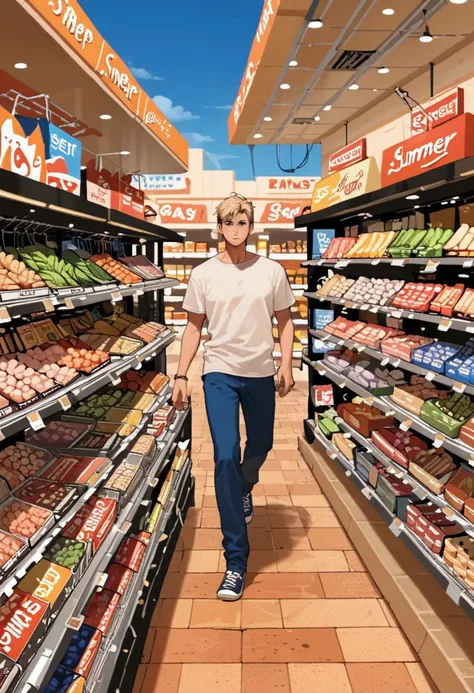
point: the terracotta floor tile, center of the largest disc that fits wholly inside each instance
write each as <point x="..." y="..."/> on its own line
<point x="423" y="682"/>
<point x="392" y="621"/>
<point x="260" y="561"/>
<point x="265" y="678"/>
<point x="190" y="586"/>
<point x="200" y="562"/>
<point x="210" y="518"/>
<point x="272" y="478"/>
<point x="261" y="613"/>
<point x="196" y="645"/>
<point x="294" y="538"/>
<point x="260" y="521"/>
<point x="175" y="563"/>
<point x="299" y="478"/>
<point x="139" y="678"/>
<point x="374" y="645"/>
<point x="279" y="502"/>
<point x="331" y="538"/>
<point x="355" y="562"/>
<point x="172" y="613"/>
<point x="283" y="586"/>
<point x="209" y="502"/>
<point x="311" y="561"/>
<point x="380" y="678"/>
<point x="332" y="613"/>
<point x="326" y="678"/>
<point x="318" y="517"/>
<point x="161" y="677"/>
<point x="304" y="489"/>
<point x="215" y="614"/>
<point x="289" y="466"/>
<point x="349" y="586"/>
<point x="300" y="645"/>
<point x="202" y="539"/>
<point x="224" y="678"/>
<point x="148" y="647"/>
<point x="260" y="538"/>
<point x="315" y="501"/>
<point x="193" y="518"/>
<point x="285" y="517"/>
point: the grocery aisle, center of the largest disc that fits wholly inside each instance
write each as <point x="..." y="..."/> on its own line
<point x="311" y="618"/>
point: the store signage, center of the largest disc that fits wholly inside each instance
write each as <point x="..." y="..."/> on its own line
<point x="163" y="184"/>
<point x="126" y="198"/>
<point x="297" y="185"/>
<point x="21" y="153"/>
<point x="99" y="185"/>
<point x="119" y="79"/>
<point x="444" y="144"/>
<point x="352" y="154"/>
<point x="283" y="212"/>
<point x="323" y="396"/>
<point x="321" y="241"/>
<point x="265" y="24"/>
<point x="445" y="108"/>
<point x="189" y="214"/>
<point x="351" y="182"/>
<point x="63" y="167"/>
<point x="322" y="318"/>
<point x="164" y="130"/>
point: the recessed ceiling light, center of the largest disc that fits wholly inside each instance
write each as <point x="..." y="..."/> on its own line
<point x="383" y="70"/>
<point x="444" y="203"/>
<point x="293" y="63"/>
<point x="71" y="226"/>
<point x="257" y="136"/>
<point x="327" y="108"/>
<point x="416" y="207"/>
<point x="374" y="89"/>
<point x="124" y="153"/>
<point x="388" y="11"/>
<point x="317" y="118"/>
<point x="105" y="116"/>
<point x="354" y="87"/>
<point x="20" y="66"/>
<point x="267" y="119"/>
<point x="315" y="24"/>
<point x="285" y="86"/>
<point x="457" y="2"/>
<point x="453" y="202"/>
<point x="412" y="197"/>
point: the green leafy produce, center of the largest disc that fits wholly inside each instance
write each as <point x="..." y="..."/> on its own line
<point x="61" y="272"/>
<point x="95" y="273"/>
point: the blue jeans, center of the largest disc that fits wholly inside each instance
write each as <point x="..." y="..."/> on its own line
<point x="223" y="394"/>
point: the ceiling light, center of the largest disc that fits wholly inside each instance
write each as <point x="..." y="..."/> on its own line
<point x="444" y="203"/>
<point x="257" y="136"/>
<point x="327" y="108"/>
<point x="457" y="2"/>
<point x="71" y="226"/>
<point x="388" y="11"/>
<point x="105" y="116"/>
<point x="315" y="24"/>
<point x="374" y="89"/>
<point x="267" y="119"/>
<point x="317" y="118"/>
<point x="416" y="207"/>
<point x="412" y="197"/>
<point x="354" y="87"/>
<point x="293" y="63"/>
<point x="20" y="66"/>
<point x="285" y="86"/>
<point x="124" y="153"/>
<point x="383" y="70"/>
<point x="426" y="36"/>
<point x="453" y="202"/>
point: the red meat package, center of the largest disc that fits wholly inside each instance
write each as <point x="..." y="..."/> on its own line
<point x="373" y="335"/>
<point x="416" y="296"/>
<point x="446" y="300"/>
<point x="118" y="578"/>
<point x="101" y="610"/>
<point x="338" y="247"/>
<point x="130" y="553"/>
<point x="92" y="522"/>
<point x="346" y="329"/>
<point x="402" y="447"/>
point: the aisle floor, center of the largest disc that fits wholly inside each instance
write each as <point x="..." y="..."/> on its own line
<point x="311" y="618"/>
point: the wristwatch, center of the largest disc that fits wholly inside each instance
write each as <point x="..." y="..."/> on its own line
<point x="181" y="377"/>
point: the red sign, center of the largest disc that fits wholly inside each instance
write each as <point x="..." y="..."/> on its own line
<point x="323" y="396"/>
<point x="291" y="183"/>
<point x="449" y="142"/>
<point x="19" y="153"/>
<point x="189" y="214"/>
<point x="352" y="154"/>
<point x="446" y="108"/>
<point x="283" y="212"/>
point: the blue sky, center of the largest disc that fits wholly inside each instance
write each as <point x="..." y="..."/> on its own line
<point x="191" y="56"/>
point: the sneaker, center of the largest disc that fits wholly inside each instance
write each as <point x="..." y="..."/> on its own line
<point x="248" y="507"/>
<point x="232" y="586"/>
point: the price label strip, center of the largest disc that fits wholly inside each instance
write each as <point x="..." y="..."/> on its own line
<point x="65" y="402"/>
<point x="35" y="420"/>
<point x="405" y="425"/>
<point x="4" y="315"/>
<point x="444" y="325"/>
<point x="459" y="387"/>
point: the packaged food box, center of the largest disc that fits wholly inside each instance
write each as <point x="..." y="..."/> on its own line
<point x="9" y="672"/>
<point x="460" y="488"/>
<point x="461" y="366"/>
<point x="118" y="578"/>
<point x="417" y="296"/>
<point x="394" y="493"/>
<point x="458" y="554"/>
<point x="144" y="401"/>
<point x="412" y="396"/>
<point x="154" y="519"/>
<point x="54" y="497"/>
<point x="130" y="554"/>
<point x="22" y="626"/>
<point x="338" y="247"/>
<point x="157" y="430"/>
<point x="462" y="243"/>
<point x="144" y="537"/>
<point x="431" y="525"/>
<point x="398" y="445"/>
<point x="373" y="335"/>
<point x="11" y="550"/>
<point x="92" y="522"/>
<point x="435" y="355"/>
<point x="180" y="457"/>
<point x="335" y="286"/>
<point x="372" y="245"/>
<point x="130" y="419"/>
<point x="402" y="346"/>
<point x="21" y="461"/>
<point x="165" y="414"/>
<point x="327" y="426"/>
<point x="65" y="681"/>
<point x="364" y="461"/>
<point x="447" y="299"/>
<point x="464" y="308"/>
<point x="101" y="610"/>
<point x="83" y="471"/>
<point x="96" y="406"/>
<point x="27" y="521"/>
<point x="374" y="291"/>
<point x="58" y="434"/>
<point x="70" y="554"/>
<point x="346" y="329"/>
<point x="467" y="433"/>
<point x="363" y="418"/>
<point x="49" y="582"/>
<point x="123" y="481"/>
<point x="406" y="242"/>
<point x="137" y="381"/>
<point x="448" y="415"/>
<point x="433" y="468"/>
<point x="82" y="651"/>
<point x="144" y="447"/>
<point x="344" y="445"/>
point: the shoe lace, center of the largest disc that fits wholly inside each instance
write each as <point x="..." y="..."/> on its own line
<point x="230" y="579"/>
<point x="247" y="503"/>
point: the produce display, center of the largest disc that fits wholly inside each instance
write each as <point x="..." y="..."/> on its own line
<point x="335" y="286"/>
<point x="115" y="269"/>
<point x="338" y="248"/>
<point x="22" y="519"/>
<point x="371" y="245"/>
<point x="46" y="494"/>
<point x="14" y="274"/>
<point x="374" y="291"/>
<point x="465" y="306"/>
<point x="9" y="548"/>
<point x="55" y="271"/>
<point x="449" y="414"/>
<point x="21" y="461"/>
<point x="462" y="242"/>
<point x="67" y="553"/>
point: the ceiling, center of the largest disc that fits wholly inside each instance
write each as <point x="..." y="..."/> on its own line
<point x="54" y="69"/>
<point x="348" y="25"/>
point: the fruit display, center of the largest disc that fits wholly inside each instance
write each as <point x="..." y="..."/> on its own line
<point x="371" y="245"/>
<point x="449" y="414"/>
<point x="405" y="242"/>
<point x="97" y="406"/>
<point x="115" y="268"/>
<point x="67" y="553"/>
<point x="462" y="242"/>
<point x="14" y="274"/>
<point x="96" y="274"/>
<point x="56" y="272"/>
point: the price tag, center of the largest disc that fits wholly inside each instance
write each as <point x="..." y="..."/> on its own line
<point x="322" y="371"/>
<point x="396" y="527"/>
<point x="369" y="401"/>
<point x="360" y="349"/>
<point x="454" y="592"/>
<point x="101" y="579"/>
<point x="125" y="527"/>
<point x="397" y="314"/>
<point x="459" y="387"/>
<point x="467" y="264"/>
<point x="375" y="262"/>
<point x="471" y="460"/>
<point x="65" y="402"/>
<point x="319" y="263"/>
<point x="342" y="384"/>
<point x="69" y="303"/>
<point x="48" y="305"/>
<point x="75" y="622"/>
<point x="367" y="492"/>
<point x="341" y="342"/>
<point x="114" y="379"/>
<point x="385" y="361"/>
<point x="347" y="435"/>
<point x="331" y="454"/>
<point x="116" y="296"/>
<point x="348" y="473"/>
<point x="341" y="263"/>
<point x="398" y="263"/>
<point x="396" y="363"/>
<point x="431" y="265"/>
<point x="364" y="306"/>
<point x="374" y="309"/>
<point x="35" y="420"/>
<point x="349" y="304"/>
<point x="449" y="512"/>
<point x="470" y="329"/>
<point x="405" y="425"/>
<point x="444" y="324"/>
<point x="438" y="440"/>
<point x="4" y="315"/>
<point x="429" y="376"/>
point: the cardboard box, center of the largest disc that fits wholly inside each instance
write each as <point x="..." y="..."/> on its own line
<point x="23" y="621"/>
<point x="92" y="522"/>
<point x="118" y="578"/>
<point x="50" y="583"/>
<point x="130" y="554"/>
<point x="101" y="610"/>
<point x="65" y="681"/>
<point x="82" y="651"/>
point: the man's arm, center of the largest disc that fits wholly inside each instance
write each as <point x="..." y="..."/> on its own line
<point x="286" y="332"/>
<point x="189" y="346"/>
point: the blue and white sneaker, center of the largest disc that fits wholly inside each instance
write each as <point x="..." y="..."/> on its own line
<point x="232" y="586"/>
<point x="248" y="507"/>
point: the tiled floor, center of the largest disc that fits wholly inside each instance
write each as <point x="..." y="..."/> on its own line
<point x="311" y="618"/>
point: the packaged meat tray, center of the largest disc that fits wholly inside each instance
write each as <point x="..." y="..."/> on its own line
<point x="101" y="610"/>
<point x="435" y="355"/>
<point x="338" y="247"/>
<point x="81" y="471"/>
<point x="118" y="578"/>
<point x="363" y="418"/>
<point x="130" y="554"/>
<point x="460" y="489"/>
<point x="402" y="346"/>
<point x="412" y="397"/>
<point x="467" y="433"/>
<point x="11" y="550"/>
<point x="398" y="445"/>
<point x="458" y="555"/>
<point x="115" y="268"/>
<point x="462" y="243"/>
<point x="54" y="497"/>
<point x="122" y="483"/>
<point x="448" y="415"/>
<point x="374" y="291"/>
<point x="461" y="366"/>
<point x="394" y="493"/>
<point x="141" y="265"/>
<point x="137" y="381"/>
<point x="338" y="360"/>
<point x="431" y="525"/>
<point x="18" y="643"/>
<point x="447" y="299"/>
<point x="96" y="406"/>
<point x="373" y="335"/>
<point x="433" y="468"/>
<point x="405" y="243"/>
<point x="65" y="681"/>
<point x="336" y="286"/>
<point x="21" y="461"/>
<point x="23" y="520"/>
<point x="50" y="583"/>
<point x="378" y="381"/>
<point x="92" y="522"/>
<point x="464" y="308"/>
<point x="346" y="329"/>
<point x="82" y="651"/>
<point x="144" y="402"/>
<point x="144" y="449"/>
<point x="372" y="245"/>
<point x="58" y="434"/>
<point x="416" y="296"/>
<point x="327" y="426"/>
<point x="364" y="461"/>
<point x="433" y="242"/>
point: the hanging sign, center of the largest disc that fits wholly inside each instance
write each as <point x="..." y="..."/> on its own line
<point x="322" y="318"/>
<point x="172" y="213"/>
<point x="281" y="185"/>
<point x="126" y="198"/>
<point x="351" y="154"/>
<point x="20" y="152"/>
<point x="171" y="184"/>
<point x="282" y="212"/>
<point x="99" y="185"/>
<point x="323" y="395"/>
<point x="452" y="141"/>
<point x="63" y="165"/>
<point x="443" y="109"/>
<point x="346" y="184"/>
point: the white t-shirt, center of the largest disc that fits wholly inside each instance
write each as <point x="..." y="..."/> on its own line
<point x="239" y="302"/>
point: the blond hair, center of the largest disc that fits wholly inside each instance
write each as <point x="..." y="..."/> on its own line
<point x="233" y="205"/>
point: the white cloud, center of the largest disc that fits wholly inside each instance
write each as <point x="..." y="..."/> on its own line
<point x="143" y="73"/>
<point x="197" y="138"/>
<point x="217" y="158"/>
<point x="223" y="108"/>
<point x="176" y="114"/>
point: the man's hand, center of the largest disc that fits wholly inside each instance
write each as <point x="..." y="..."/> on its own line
<point x="285" y="382"/>
<point x="180" y="394"/>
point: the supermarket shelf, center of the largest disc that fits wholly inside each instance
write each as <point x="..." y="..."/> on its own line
<point x="386" y="405"/>
<point x="297" y="353"/>
<point x="298" y="287"/>
<point x="420" y="261"/>
<point x="184" y="256"/>
<point x="82" y="387"/>
<point x="173" y="299"/>
<point x="296" y="321"/>
<point x="288" y="256"/>
<point x="393" y="361"/>
<point x="457" y="590"/>
<point x="444" y="324"/>
<point x="177" y="322"/>
<point x="35" y="675"/>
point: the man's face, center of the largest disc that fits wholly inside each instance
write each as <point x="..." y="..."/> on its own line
<point x="236" y="230"/>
